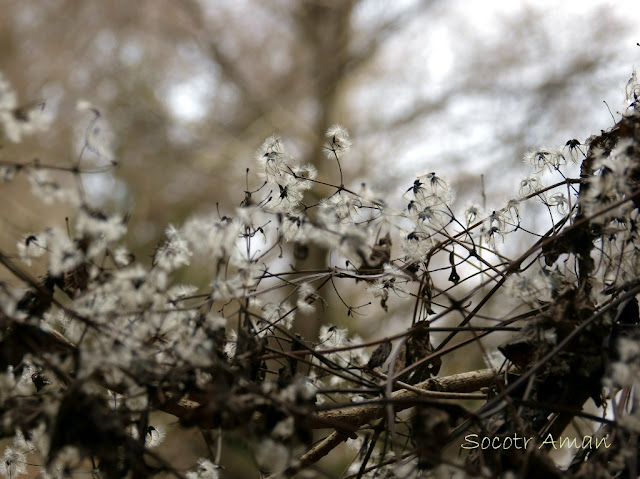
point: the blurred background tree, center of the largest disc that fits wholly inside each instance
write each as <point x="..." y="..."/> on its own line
<point x="189" y="89"/>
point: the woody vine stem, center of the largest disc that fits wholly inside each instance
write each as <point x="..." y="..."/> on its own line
<point x="96" y="345"/>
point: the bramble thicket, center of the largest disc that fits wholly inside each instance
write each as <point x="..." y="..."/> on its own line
<point x="96" y="344"/>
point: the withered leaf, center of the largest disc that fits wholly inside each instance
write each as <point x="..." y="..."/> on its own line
<point x="380" y="355"/>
